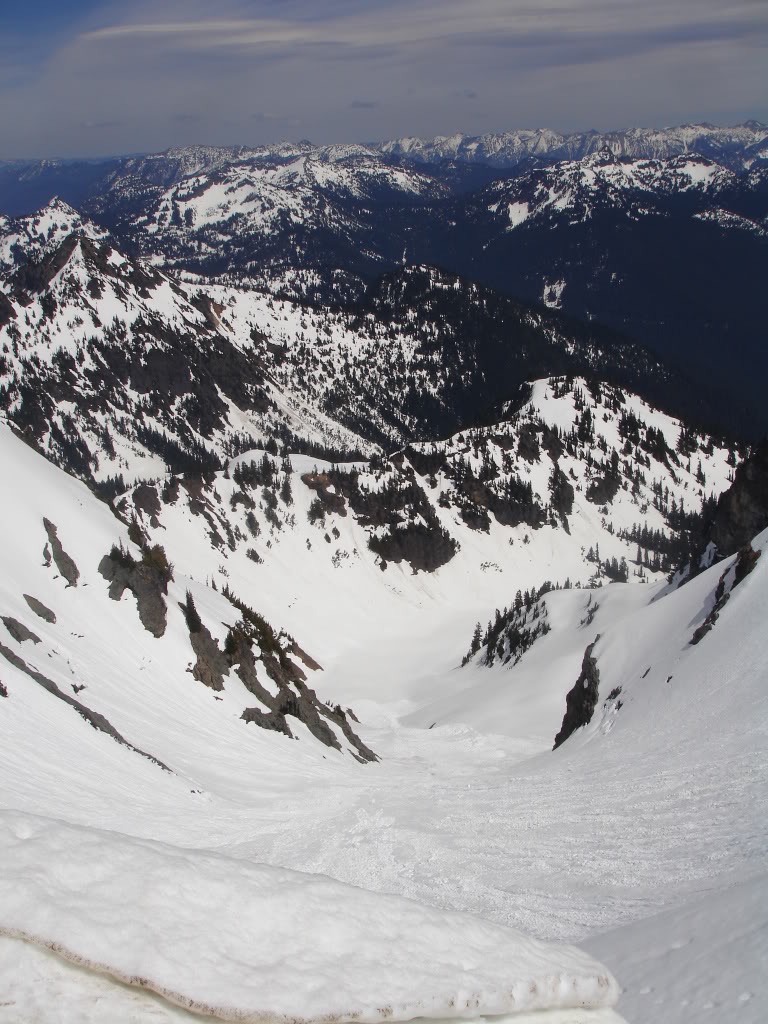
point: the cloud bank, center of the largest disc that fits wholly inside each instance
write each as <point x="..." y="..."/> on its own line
<point x="169" y="72"/>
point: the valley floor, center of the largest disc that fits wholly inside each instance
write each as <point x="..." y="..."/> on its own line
<point x="636" y="832"/>
<point x="643" y="837"/>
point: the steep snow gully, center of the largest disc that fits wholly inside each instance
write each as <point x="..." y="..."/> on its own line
<point x="263" y="878"/>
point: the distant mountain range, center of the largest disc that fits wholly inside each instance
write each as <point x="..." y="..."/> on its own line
<point x="27" y="184"/>
<point x="741" y="146"/>
<point x="108" y="361"/>
<point x="660" y="235"/>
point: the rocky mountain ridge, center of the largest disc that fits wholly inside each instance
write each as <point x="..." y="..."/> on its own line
<point x="594" y="235"/>
<point x="117" y="370"/>
<point x="28" y="184"/>
<point x="739" y="146"/>
<point x="579" y="487"/>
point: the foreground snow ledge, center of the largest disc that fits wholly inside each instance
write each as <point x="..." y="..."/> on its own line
<point x="247" y="942"/>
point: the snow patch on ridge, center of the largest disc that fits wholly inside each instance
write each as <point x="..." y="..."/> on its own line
<point x="553" y="294"/>
<point x="518" y="213"/>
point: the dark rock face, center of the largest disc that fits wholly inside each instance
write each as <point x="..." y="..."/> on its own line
<point x="147" y="583"/>
<point x="309" y="710"/>
<point x="744" y="565"/>
<point x="581" y="701"/>
<point x="294" y="698"/>
<point x="306" y="659"/>
<point x="340" y="717"/>
<point x="93" y="718"/>
<point x="64" y="563"/>
<point x="528" y="444"/>
<point x="18" y="630"/>
<point x="146" y="499"/>
<point x="241" y="656"/>
<point x="302" y="706"/>
<point x="40" y="609"/>
<point x="3" y="690"/>
<point x="7" y="312"/>
<point x="211" y="665"/>
<point x="302" y="703"/>
<point x="742" y="511"/>
<point x="33" y="278"/>
<point x="274" y="721"/>
<point x="561" y="495"/>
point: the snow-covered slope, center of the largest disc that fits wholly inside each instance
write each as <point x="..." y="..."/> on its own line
<point x="706" y="958"/>
<point x="110" y="650"/>
<point x="270" y="218"/>
<point x="117" y="369"/>
<point x="652" y="807"/>
<point x="130" y="706"/>
<point x="576" y="488"/>
<point x="577" y="189"/>
<point x="253" y="943"/>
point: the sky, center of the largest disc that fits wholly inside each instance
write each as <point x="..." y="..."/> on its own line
<point x="101" y="77"/>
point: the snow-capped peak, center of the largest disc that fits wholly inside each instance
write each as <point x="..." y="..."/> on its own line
<point x="25" y="240"/>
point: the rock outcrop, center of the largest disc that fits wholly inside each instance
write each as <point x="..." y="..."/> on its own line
<point x="41" y="610"/>
<point x="18" y="630"/>
<point x="743" y="566"/>
<point x="64" y="563"/>
<point x="147" y="580"/>
<point x="211" y="665"/>
<point x="93" y="718"/>
<point x="742" y="511"/>
<point x="581" y="701"/>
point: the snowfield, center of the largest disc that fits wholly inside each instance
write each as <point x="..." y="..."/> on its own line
<point x="220" y="869"/>
<point x="704" y="961"/>
<point x="253" y="943"/>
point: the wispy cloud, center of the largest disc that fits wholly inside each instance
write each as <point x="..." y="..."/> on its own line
<point x="430" y="23"/>
<point x="168" y="71"/>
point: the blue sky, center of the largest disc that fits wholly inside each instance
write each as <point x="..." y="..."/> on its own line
<point x="94" y="77"/>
